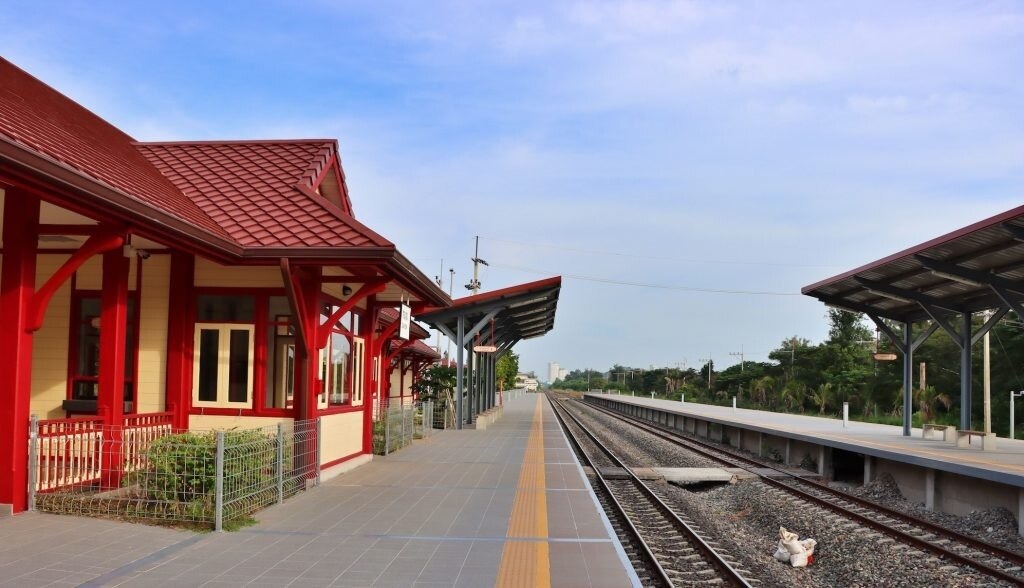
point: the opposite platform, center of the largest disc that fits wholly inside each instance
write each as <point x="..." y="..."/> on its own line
<point x="507" y="506"/>
<point x="1004" y="465"/>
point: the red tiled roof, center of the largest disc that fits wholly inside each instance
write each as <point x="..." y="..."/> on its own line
<point x="251" y="198"/>
<point x="43" y="120"/>
<point x="261" y="191"/>
<point x="421" y="348"/>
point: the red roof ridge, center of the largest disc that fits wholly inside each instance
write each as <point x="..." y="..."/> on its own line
<point x="234" y="142"/>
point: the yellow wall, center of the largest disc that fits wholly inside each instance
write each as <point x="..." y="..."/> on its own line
<point x="204" y="422"/>
<point x="396" y="378"/>
<point x="50" y="345"/>
<point x="151" y="383"/>
<point x="342" y="435"/>
<point x="398" y="386"/>
<point x="210" y="274"/>
<point x="90" y="275"/>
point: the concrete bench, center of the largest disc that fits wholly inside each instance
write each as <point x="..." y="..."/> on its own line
<point x="948" y="431"/>
<point x="988" y="440"/>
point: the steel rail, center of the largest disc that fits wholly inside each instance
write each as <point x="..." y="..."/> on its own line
<point x="712" y="557"/>
<point x="714" y="453"/>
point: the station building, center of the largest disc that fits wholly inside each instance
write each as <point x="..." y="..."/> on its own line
<point x="188" y="285"/>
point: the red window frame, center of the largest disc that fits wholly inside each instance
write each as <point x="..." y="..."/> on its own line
<point x="347" y="407"/>
<point x="74" y="331"/>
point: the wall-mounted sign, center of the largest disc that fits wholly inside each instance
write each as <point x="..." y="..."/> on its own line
<point x="406" y="318"/>
<point x="485" y="348"/>
<point x="885" y="356"/>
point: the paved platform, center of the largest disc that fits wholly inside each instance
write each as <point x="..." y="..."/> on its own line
<point x="508" y="506"/>
<point x="1004" y="465"/>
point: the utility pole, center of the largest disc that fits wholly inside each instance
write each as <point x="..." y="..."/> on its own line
<point x="740" y="355"/>
<point x="711" y="368"/>
<point x="474" y="284"/>
<point x="792" y="357"/>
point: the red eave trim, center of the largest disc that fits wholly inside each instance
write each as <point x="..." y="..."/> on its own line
<point x="941" y="240"/>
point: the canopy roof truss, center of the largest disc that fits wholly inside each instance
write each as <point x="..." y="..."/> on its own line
<point x="498" y="319"/>
<point x="942" y="282"/>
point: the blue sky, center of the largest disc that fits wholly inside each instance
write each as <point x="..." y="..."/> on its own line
<point x="752" y="146"/>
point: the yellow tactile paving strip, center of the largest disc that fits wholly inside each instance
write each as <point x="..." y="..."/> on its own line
<point x="527" y="563"/>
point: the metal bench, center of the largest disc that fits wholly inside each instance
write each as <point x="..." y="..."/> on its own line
<point x="948" y="431"/>
<point x="988" y="440"/>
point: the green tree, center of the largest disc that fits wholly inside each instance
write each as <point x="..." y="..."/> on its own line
<point x="507" y="368"/>
<point x="434" y="382"/>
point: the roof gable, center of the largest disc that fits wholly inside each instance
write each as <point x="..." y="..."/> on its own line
<point x="263" y="192"/>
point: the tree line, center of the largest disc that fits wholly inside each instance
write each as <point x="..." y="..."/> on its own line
<point x="807" y="378"/>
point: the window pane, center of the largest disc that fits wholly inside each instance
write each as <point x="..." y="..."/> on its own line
<point x="280" y="353"/>
<point x="89" y="337"/>
<point x="280" y="371"/>
<point x="232" y="309"/>
<point x="209" y="351"/>
<point x="340" y="384"/>
<point x="238" y="366"/>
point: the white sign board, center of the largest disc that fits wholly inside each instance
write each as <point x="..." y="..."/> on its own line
<point x="485" y="348"/>
<point x="403" y="327"/>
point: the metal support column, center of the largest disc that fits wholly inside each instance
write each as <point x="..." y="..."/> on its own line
<point x="471" y="395"/>
<point x="965" y="372"/>
<point x="487" y="381"/>
<point x="460" y="348"/>
<point x="908" y="376"/>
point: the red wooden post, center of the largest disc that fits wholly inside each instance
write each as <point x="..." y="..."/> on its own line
<point x="180" y="339"/>
<point x="17" y="285"/>
<point x="306" y="389"/>
<point x="369" y="378"/>
<point x="113" y="336"/>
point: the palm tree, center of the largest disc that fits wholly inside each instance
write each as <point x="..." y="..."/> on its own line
<point x="761" y="389"/>
<point x="928" y="402"/>
<point x="822" y="397"/>
<point x="792" y="394"/>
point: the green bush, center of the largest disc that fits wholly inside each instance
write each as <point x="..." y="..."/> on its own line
<point x="182" y="468"/>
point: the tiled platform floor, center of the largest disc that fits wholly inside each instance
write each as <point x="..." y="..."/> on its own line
<point x="435" y="514"/>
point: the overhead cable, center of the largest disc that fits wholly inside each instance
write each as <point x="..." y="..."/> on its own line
<point x="657" y="257"/>
<point x="647" y="285"/>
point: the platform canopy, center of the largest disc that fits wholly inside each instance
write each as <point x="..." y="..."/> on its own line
<point x="978" y="267"/>
<point x="943" y="282"/>
<point x="518" y="312"/>
<point x="488" y="325"/>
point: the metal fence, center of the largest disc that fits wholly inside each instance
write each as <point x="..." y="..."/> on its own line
<point x="398" y="426"/>
<point x="145" y="470"/>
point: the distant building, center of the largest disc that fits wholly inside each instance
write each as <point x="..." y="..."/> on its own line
<point x="527" y="381"/>
<point x="563" y="373"/>
<point x="553" y="371"/>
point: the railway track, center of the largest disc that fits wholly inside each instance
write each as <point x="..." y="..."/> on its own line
<point x="665" y="548"/>
<point x="943" y="542"/>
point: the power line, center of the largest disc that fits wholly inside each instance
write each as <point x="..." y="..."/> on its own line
<point x="647" y="285"/>
<point x="658" y="257"/>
